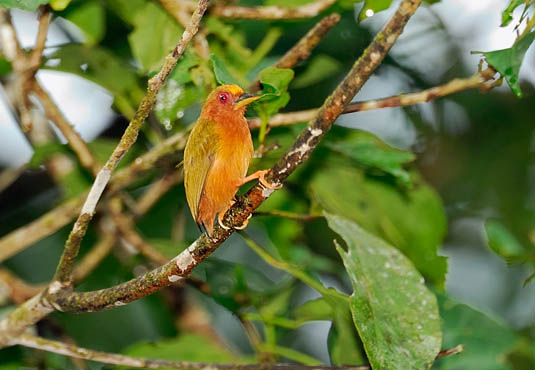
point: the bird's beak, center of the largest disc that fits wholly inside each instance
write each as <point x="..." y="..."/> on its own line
<point x="245" y="99"/>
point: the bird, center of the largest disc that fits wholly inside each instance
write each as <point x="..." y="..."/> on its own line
<point x="217" y="156"/>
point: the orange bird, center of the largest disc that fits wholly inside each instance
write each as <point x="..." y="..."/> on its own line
<point x="217" y="156"/>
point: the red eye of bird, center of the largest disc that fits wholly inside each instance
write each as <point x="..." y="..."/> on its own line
<point x="223" y="97"/>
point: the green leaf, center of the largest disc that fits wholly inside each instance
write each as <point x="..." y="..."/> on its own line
<point x="100" y="66"/>
<point x="316" y="309"/>
<point x="222" y="75"/>
<point x="172" y="99"/>
<point x="59" y="4"/>
<point x="155" y="35"/>
<point x="30" y="5"/>
<point x="395" y="314"/>
<point x="502" y="241"/>
<point x="508" y="61"/>
<point x="368" y="150"/>
<point x="181" y="73"/>
<point x="275" y="83"/>
<point x="127" y="10"/>
<point x="42" y="153"/>
<point x="507" y="14"/>
<point x="186" y="347"/>
<point x="413" y="221"/>
<point x="90" y="17"/>
<point x="5" y="66"/>
<point x="486" y="340"/>
<point x="373" y="6"/>
<point x="319" y="68"/>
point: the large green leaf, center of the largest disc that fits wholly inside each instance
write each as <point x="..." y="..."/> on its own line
<point x="413" y="221"/>
<point x="486" y="340"/>
<point x="222" y="75"/>
<point x="507" y="14"/>
<point x="370" y="151"/>
<point x="155" y="35"/>
<point x="186" y="347"/>
<point x="508" y="61"/>
<point x="394" y="312"/>
<point x="23" y="4"/>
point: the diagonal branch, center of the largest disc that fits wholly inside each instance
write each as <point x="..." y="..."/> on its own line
<point x="64" y="269"/>
<point x="304" y="46"/>
<point x="182" y="265"/>
<point x="272" y="12"/>
<point x="479" y="80"/>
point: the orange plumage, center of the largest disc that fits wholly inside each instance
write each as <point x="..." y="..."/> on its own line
<point x="217" y="155"/>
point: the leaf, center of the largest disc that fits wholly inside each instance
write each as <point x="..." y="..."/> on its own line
<point x="486" y="340"/>
<point x="127" y="10"/>
<point x="29" y="5"/>
<point x="181" y="72"/>
<point x="155" y="35"/>
<point x="316" y="309"/>
<point x="507" y="14"/>
<point x="59" y="4"/>
<point x="319" y="68"/>
<point x="100" y="66"/>
<point x="502" y="241"/>
<point x="222" y="75"/>
<point x="275" y="83"/>
<point x="173" y="98"/>
<point x="369" y="150"/>
<point x="90" y="17"/>
<point x="186" y="347"/>
<point x="373" y="6"/>
<point x="508" y="61"/>
<point x="395" y="314"/>
<point x="5" y="66"/>
<point x="413" y="221"/>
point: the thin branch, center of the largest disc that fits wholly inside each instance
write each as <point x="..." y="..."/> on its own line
<point x="45" y="16"/>
<point x="127" y="229"/>
<point x="479" y="80"/>
<point x="40" y="228"/>
<point x="74" y="139"/>
<point x="303" y="48"/>
<point x="156" y="190"/>
<point x="92" y="259"/>
<point x="271" y="12"/>
<point x="183" y="264"/>
<point x="17" y="289"/>
<point x="451" y="351"/>
<point x="52" y="221"/>
<point x="31" y="341"/>
<point x="64" y="269"/>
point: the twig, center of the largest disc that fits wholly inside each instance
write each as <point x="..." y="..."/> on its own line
<point x="64" y="269"/>
<point x="127" y="229"/>
<point x="45" y="16"/>
<point x="182" y="265"/>
<point x="42" y="227"/>
<point x="76" y="143"/>
<point x="155" y="192"/>
<point x="31" y="341"/>
<point x="479" y="80"/>
<point x="303" y="48"/>
<point x="60" y="216"/>
<point x="451" y="351"/>
<point x="271" y="12"/>
<point x="17" y="289"/>
<point x="91" y="260"/>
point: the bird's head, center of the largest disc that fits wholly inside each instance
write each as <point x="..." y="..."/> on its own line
<point x="227" y="100"/>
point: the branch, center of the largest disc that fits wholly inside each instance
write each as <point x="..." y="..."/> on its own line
<point x="479" y="80"/>
<point x="271" y="12"/>
<point x="302" y="49"/>
<point x="72" y="246"/>
<point x="60" y="216"/>
<point x="74" y="139"/>
<point x="45" y="16"/>
<point x="31" y="341"/>
<point x="183" y="264"/>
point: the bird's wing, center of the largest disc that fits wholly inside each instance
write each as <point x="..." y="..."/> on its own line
<point x="199" y="156"/>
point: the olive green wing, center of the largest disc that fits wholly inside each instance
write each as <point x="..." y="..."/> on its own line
<point x="199" y="156"/>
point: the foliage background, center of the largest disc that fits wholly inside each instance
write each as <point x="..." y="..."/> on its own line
<point x="473" y="162"/>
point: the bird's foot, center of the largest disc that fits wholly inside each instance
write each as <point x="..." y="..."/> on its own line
<point x="220" y="218"/>
<point x="244" y="224"/>
<point x="260" y="175"/>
